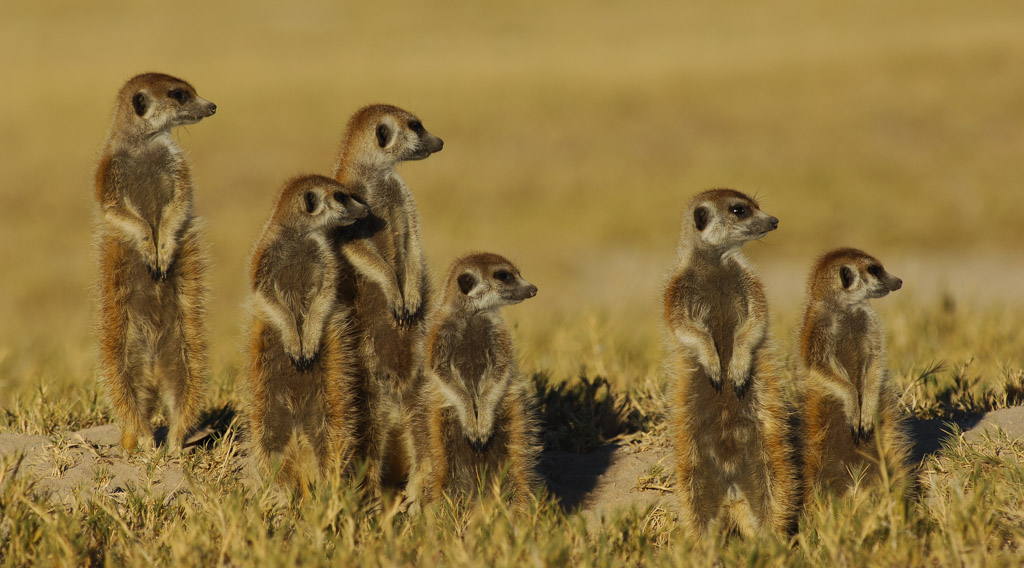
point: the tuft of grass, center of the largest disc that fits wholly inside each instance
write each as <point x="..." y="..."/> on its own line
<point x="579" y="415"/>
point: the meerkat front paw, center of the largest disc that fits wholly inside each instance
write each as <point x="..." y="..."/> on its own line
<point x="412" y="304"/>
<point x="294" y="353"/>
<point x="478" y="433"/>
<point x="307" y="360"/>
<point x="164" y="269"/>
<point x="713" y="370"/>
<point x="854" y="424"/>
<point x="396" y="306"/>
<point x="155" y="273"/>
<point x="152" y="263"/>
<point x="867" y="425"/>
<point x="739" y="374"/>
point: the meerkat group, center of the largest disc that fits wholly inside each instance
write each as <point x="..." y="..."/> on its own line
<point x="349" y="360"/>
<point x="735" y="460"/>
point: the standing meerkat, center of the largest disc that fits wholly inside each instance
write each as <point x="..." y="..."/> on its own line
<point x="848" y="400"/>
<point x="729" y="422"/>
<point x="152" y="261"/>
<point x="477" y="413"/>
<point x="299" y="377"/>
<point x="390" y="290"/>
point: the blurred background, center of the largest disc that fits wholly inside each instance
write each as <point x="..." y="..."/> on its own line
<point x="575" y="132"/>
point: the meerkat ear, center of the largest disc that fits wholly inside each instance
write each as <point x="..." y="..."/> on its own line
<point x="140" y="102"/>
<point x="700" y="217"/>
<point x="383" y="135"/>
<point x="312" y="201"/>
<point x="847" y="276"/>
<point x="467" y="282"/>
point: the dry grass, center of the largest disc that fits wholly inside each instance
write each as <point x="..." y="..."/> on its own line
<point x="574" y="133"/>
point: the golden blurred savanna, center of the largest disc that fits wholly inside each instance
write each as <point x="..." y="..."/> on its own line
<point x="574" y="133"/>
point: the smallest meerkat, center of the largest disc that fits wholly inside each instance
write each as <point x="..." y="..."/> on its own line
<point x="298" y="376"/>
<point x="478" y="412"/>
<point x="848" y="400"/>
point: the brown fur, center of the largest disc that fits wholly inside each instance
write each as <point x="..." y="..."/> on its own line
<point x="477" y="414"/>
<point x="388" y="290"/>
<point x="851" y="422"/>
<point x="153" y="262"/>
<point x="299" y="376"/>
<point x="729" y="423"/>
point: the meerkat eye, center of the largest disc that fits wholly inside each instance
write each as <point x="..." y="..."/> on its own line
<point x="340" y="196"/>
<point x="504" y="276"/>
<point x="739" y="210"/>
<point x="383" y="135"/>
<point x="180" y="95"/>
<point x="875" y="270"/>
<point x="311" y="201"/>
<point x="416" y="126"/>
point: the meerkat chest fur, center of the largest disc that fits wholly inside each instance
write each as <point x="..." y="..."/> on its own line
<point x="294" y="267"/>
<point x="851" y="348"/>
<point x="147" y="177"/>
<point x="482" y="341"/>
<point x="716" y="296"/>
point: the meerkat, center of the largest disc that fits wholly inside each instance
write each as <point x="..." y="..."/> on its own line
<point x="384" y="280"/>
<point x="478" y="414"/>
<point x="152" y="262"/>
<point x="851" y="420"/>
<point x="299" y="376"/>
<point x="729" y="419"/>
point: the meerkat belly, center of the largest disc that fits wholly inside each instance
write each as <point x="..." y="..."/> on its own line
<point x="723" y="311"/>
<point x="148" y="304"/>
<point x="391" y="348"/>
<point x="727" y="435"/>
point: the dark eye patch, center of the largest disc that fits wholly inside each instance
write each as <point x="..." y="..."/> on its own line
<point x="383" y="135"/>
<point x="180" y="95"/>
<point x="140" y="102"/>
<point x="466" y="282"/>
<point x="740" y="211"/>
<point x="416" y="126"/>
<point x="700" y="218"/>
<point x="340" y="196"/>
<point x="311" y="201"/>
<point x="875" y="270"/>
<point x="846" y="276"/>
<point x="504" y="276"/>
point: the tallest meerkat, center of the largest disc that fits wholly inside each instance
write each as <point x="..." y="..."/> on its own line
<point x="728" y="417"/>
<point x="390" y="292"/>
<point x="153" y="264"/>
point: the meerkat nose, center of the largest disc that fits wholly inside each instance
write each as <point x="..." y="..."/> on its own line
<point x="775" y="222"/>
<point x="898" y="284"/>
<point x="531" y="291"/>
<point x="213" y="109"/>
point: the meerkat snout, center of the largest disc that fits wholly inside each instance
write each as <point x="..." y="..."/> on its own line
<point x="352" y="206"/>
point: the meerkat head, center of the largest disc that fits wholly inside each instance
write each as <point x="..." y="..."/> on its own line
<point x="486" y="281"/>
<point x="383" y="135"/>
<point x="724" y="219"/>
<point x="851" y="276"/>
<point x="153" y="103"/>
<point x="317" y="203"/>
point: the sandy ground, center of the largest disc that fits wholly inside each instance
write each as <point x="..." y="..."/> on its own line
<point x="613" y="477"/>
